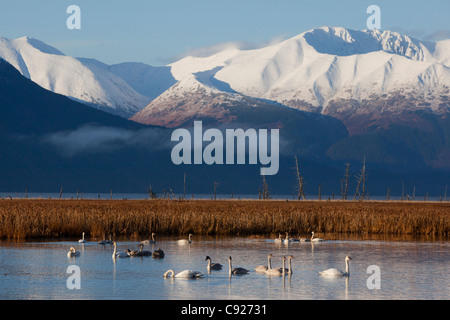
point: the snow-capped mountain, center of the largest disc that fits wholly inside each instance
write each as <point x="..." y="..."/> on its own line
<point x="84" y="80"/>
<point x="334" y="71"/>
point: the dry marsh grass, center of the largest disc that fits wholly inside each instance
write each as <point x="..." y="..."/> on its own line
<point x="24" y="219"/>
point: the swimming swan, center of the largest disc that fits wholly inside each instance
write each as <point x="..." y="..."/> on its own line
<point x="153" y="241"/>
<point x="333" y="272"/>
<point x="186" y="241"/>
<point x="315" y="239"/>
<point x="119" y="254"/>
<point x="187" y="274"/>
<point x="277" y="271"/>
<point x="213" y="266"/>
<point x="158" y="254"/>
<point x="279" y="239"/>
<point x="237" y="270"/>
<point x="269" y="264"/>
<point x="82" y="239"/>
<point x="290" y="257"/>
<point x="73" y="253"/>
<point x="142" y="252"/>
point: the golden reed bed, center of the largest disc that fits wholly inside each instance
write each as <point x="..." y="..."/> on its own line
<point x="25" y="219"/>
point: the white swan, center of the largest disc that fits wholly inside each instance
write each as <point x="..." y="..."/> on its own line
<point x="305" y="240"/>
<point x="119" y="254"/>
<point x="153" y="241"/>
<point x="73" y="253"/>
<point x="237" y="270"/>
<point x="333" y="272"/>
<point x="290" y="257"/>
<point x="213" y="266"/>
<point x="186" y="241"/>
<point x="277" y="271"/>
<point x="315" y="239"/>
<point x="279" y="239"/>
<point x="265" y="268"/>
<point x="287" y="240"/>
<point x="187" y="274"/>
<point x="82" y="239"/>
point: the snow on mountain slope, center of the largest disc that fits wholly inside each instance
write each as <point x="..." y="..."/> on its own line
<point x="82" y="79"/>
<point x="317" y="67"/>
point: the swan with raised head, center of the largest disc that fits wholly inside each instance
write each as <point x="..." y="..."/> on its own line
<point x="237" y="270"/>
<point x="277" y="271"/>
<point x="116" y="254"/>
<point x="73" y="253"/>
<point x="82" y="239"/>
<point x="213" y="266"/>
<point x="287" y="240"/>
<point x="279" y="239"/>
<point x="142" y="252"/>
<point x="186" y="241"/>
<point x="186" y="274"/>
<point x="265" y="268"/>
<point x="333" y="272"/>
<point x="290" y="257"/>
<point x="153" y="241"/>
<point x="315" y="239"/>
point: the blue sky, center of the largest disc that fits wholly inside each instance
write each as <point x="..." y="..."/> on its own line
<point x="158" y="31"/>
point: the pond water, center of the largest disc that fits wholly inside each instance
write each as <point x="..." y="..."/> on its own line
<point x="408" y="270"/>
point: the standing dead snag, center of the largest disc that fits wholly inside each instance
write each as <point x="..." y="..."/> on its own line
<point x="299" y="182"/>
<point x="216" y="185"/>
<point x="361" y="180"/>
<point x="346" y="176"/>
<point x="265" y="189"/>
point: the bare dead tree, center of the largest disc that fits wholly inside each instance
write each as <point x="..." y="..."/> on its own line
<point x="361" y="180"/>
<point x="184" y="186"/>
<point x="299" y="181"/>
<point x="346" y="176"/>
<point x="216" y="185"/>
<point x="265" y="189"/>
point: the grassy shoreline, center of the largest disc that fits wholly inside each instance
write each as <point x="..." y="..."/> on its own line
<point x="43" y="218"/>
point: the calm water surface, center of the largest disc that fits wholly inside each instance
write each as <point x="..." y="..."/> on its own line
<point x="409" y="270"/>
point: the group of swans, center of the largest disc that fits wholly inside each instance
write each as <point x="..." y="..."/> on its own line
<point x="288" y="240"/>
<point x="137" y="253"/>
<point x="277" y="271"/>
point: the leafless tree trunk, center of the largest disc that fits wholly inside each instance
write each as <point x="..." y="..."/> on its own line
<point x="299" y="181"/>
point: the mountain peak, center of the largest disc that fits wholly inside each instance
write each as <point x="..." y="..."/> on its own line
<point x="340" y="41"/>
<point x="39" y="45"/>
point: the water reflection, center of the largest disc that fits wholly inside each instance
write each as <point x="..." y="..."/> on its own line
<point x="409" y="269"/>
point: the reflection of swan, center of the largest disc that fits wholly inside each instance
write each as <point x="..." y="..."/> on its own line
<point x="73" y="253"/>
<point x="153" y="241"/>
<point x="213" y="266"/>
<point x="82" y="239"/>
<point x="315" y="239"/>
<point x="186" y="241"/>
<point x="237" y="270"/>
<point x="158" y="254"/>
<point x="119" y="254"/>
<point x="269" y="264"/>
<point x="333" y="272"/>
<point x="277" y="271"/>
<point x="187" y="274"/>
